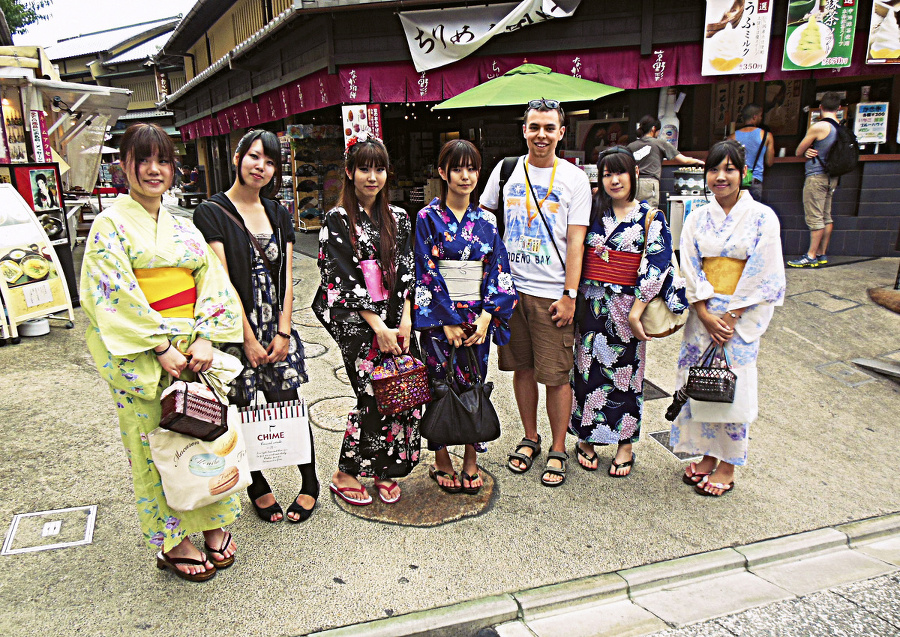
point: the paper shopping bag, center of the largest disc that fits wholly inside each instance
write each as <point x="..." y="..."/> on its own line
<point x="196" y="473"/>
<point x="276" y="434"/>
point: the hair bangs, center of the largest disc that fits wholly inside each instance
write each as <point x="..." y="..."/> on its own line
<point x="369" y="154"/>
<point x="459" y="153"/>
<point x="728" y="149"/>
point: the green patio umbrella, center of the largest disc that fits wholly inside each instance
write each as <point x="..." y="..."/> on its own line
<point x="528" y="82"/>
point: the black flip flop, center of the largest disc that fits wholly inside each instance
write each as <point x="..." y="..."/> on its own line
<point x="563" y="457"/>
<point x="470" y="489"/>
<point x="164" y="562"/>
<point x="434" y="473"/>
<point x="521" y="457"/>
<point x="220" y="564"/>
<point x="587" y="458"/>
<point x="615" y="465"/>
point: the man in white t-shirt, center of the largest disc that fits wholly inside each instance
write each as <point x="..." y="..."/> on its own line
<point x="543" y="193"/>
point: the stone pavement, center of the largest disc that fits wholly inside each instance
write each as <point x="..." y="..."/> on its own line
<point x="823" y="453"/>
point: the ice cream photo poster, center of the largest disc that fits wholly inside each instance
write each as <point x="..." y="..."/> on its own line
<point x="737" y="36"/>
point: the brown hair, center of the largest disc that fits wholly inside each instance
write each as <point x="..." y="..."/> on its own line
<point x="371" y="154"/>
<point x="271" y="149"/>
<point x="617" y="159"/>
<point x="457" y="153"/>
<point x="142" y="141"/>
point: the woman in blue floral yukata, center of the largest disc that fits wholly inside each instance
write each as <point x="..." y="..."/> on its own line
<point x="732" y="264"/>
<point x="616" y="286"/>
<point x="457" y="304"/>
<point x="140" y="342"/>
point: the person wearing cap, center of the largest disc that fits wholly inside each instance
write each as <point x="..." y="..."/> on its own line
<point x="649" y="152"/>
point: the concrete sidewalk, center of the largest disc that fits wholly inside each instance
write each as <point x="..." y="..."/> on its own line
<point x="823" y="453"/>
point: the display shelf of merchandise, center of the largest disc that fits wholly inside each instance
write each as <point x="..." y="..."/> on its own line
<point x="317" y="160"/>
<point x="286" y="194"/>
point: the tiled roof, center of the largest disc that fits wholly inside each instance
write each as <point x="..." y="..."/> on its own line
<point x="102" y="40"/>
<point x="141" y="51"/>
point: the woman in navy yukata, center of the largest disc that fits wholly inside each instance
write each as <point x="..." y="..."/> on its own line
<point x="456" y="304"/>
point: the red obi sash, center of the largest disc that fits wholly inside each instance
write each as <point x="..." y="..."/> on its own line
<point x="170" y="291"/>
<point x="621" y="269"/>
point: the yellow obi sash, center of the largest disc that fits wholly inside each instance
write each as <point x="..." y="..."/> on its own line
<point x="171" y="291"/>
<point x="723" y="273"/>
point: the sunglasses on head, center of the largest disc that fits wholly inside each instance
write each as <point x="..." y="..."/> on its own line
<point x="613" y="151"/>
<point x="543" y="102"/>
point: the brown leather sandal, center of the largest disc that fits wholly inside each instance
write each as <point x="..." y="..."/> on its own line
<point x="228" y="561"/>
<point x="164" y="562"/>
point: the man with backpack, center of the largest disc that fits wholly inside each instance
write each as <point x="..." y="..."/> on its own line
<point x="826" y="141"/>
<point x="543" y="208"/>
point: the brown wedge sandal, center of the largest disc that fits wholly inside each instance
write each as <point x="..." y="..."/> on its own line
<point x="164" y="562"/>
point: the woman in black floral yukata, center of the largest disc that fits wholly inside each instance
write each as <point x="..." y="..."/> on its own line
<point x="366" y="262"/>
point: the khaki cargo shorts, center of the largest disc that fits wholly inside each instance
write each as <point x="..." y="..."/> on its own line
<point x="818" y="191"/>
<point x="536" y="343"/>
<point x="648" y="190"/>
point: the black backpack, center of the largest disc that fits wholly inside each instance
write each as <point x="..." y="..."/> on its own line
<point x="844" y="154"/>
<point x="506" y="171"/>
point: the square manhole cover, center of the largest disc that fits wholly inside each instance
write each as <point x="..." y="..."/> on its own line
<point x="825" y="301"/>
<point x="845" y="373"/>
<point x="662" y="437"/>
<point x="46" y="530"/>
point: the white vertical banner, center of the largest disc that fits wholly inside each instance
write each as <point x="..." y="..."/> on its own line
<point x="737" y="36"/>
<point x="438" y="37"/>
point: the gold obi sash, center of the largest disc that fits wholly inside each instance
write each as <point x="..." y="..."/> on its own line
<point x="723" y="273"/>
<point x="170" y="291"/>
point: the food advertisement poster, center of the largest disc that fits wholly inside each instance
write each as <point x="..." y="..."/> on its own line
<point x="870" y="123"/>
<point x="31" y="282"/>
<point x="884" y="34"/>
<point x="737" y="36"/>
<point x="360" y="121"/>
<point x="819" y="34"/>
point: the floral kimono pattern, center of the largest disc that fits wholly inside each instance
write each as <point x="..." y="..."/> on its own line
<point x="124" y="328"/>
<point x="608" y="379"/>
<point x="374" y="445"/>
<point x="750" y="231"/>
<point x="439" y="236"/>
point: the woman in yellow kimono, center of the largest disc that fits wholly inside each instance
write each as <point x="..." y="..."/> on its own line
<point x="157" y="297"/>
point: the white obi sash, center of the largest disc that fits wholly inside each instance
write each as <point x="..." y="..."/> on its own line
<point x="463" y="278"/>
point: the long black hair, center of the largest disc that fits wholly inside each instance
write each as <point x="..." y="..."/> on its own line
<point x="617" y="159"/>
<point x="371" y="154"/>
<point x="271" y="149"/>
<point x="457" y="153"/>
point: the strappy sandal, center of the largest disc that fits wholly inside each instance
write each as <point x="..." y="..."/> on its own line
<point x="563" y="457"/>
<point x="265" y="514"/>
<point x="470" y="489"/>
<point x="164" y="562"/>
<point x="434" y="473"/>
<point x="521" y="457"/>
<point x="694" y="477"/>
<point x="220" y="564"/>
<point x="621" y="465"/>
<point x="299" y="510"/>
<point x="587" y="458"/>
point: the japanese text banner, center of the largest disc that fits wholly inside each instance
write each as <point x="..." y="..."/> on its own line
<point x="441" y="36"/>
<point x="737" y="36"/>
<point x="819" y="34"/>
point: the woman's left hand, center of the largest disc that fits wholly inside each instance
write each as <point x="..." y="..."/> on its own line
<point x="278" y="349"/>
<point x="482" y="323"/>
<point x="200" y="354"/>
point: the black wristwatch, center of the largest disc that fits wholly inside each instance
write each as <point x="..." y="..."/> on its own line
<point x="572" y="294"/>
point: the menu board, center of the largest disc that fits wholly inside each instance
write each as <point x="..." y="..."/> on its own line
<point x="870" y="125"/>
<point x="737" y="36"/>
<point x="819" y="34"/>
<point x="360" y="121"/>
<point x="884" y="34"/>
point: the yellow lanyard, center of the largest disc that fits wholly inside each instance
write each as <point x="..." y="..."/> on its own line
<point x="549" y="189"/>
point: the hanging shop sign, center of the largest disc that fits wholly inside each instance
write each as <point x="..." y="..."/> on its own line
<point x="737" y="36"/>
<point x="441" y="36"/>
<point x="361" y="121"/>
<point x="870" y="123"/>
<point x="32" y="284"/>
<point x="819" y="34"/>
<point x="884" y="34"/>
<point x="39" y="140"/>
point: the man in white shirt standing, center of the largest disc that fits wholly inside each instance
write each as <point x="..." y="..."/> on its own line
<point x="546" y="212"/>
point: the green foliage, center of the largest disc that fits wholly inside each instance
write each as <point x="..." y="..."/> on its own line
<point x="22" y="14"/>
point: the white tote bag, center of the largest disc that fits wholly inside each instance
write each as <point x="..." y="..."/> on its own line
<point x="196" y="473"/>
<point x="276" y="434"/>
<point x="744" y="408"/>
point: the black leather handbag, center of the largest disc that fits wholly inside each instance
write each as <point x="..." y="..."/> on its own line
<point x="709" y="382"/>
<point x="460" y="416"/>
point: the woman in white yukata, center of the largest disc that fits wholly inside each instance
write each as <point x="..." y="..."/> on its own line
<point x="732" y="263"/>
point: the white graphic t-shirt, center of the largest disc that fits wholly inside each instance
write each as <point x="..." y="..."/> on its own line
<point x="535" y="266"/>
